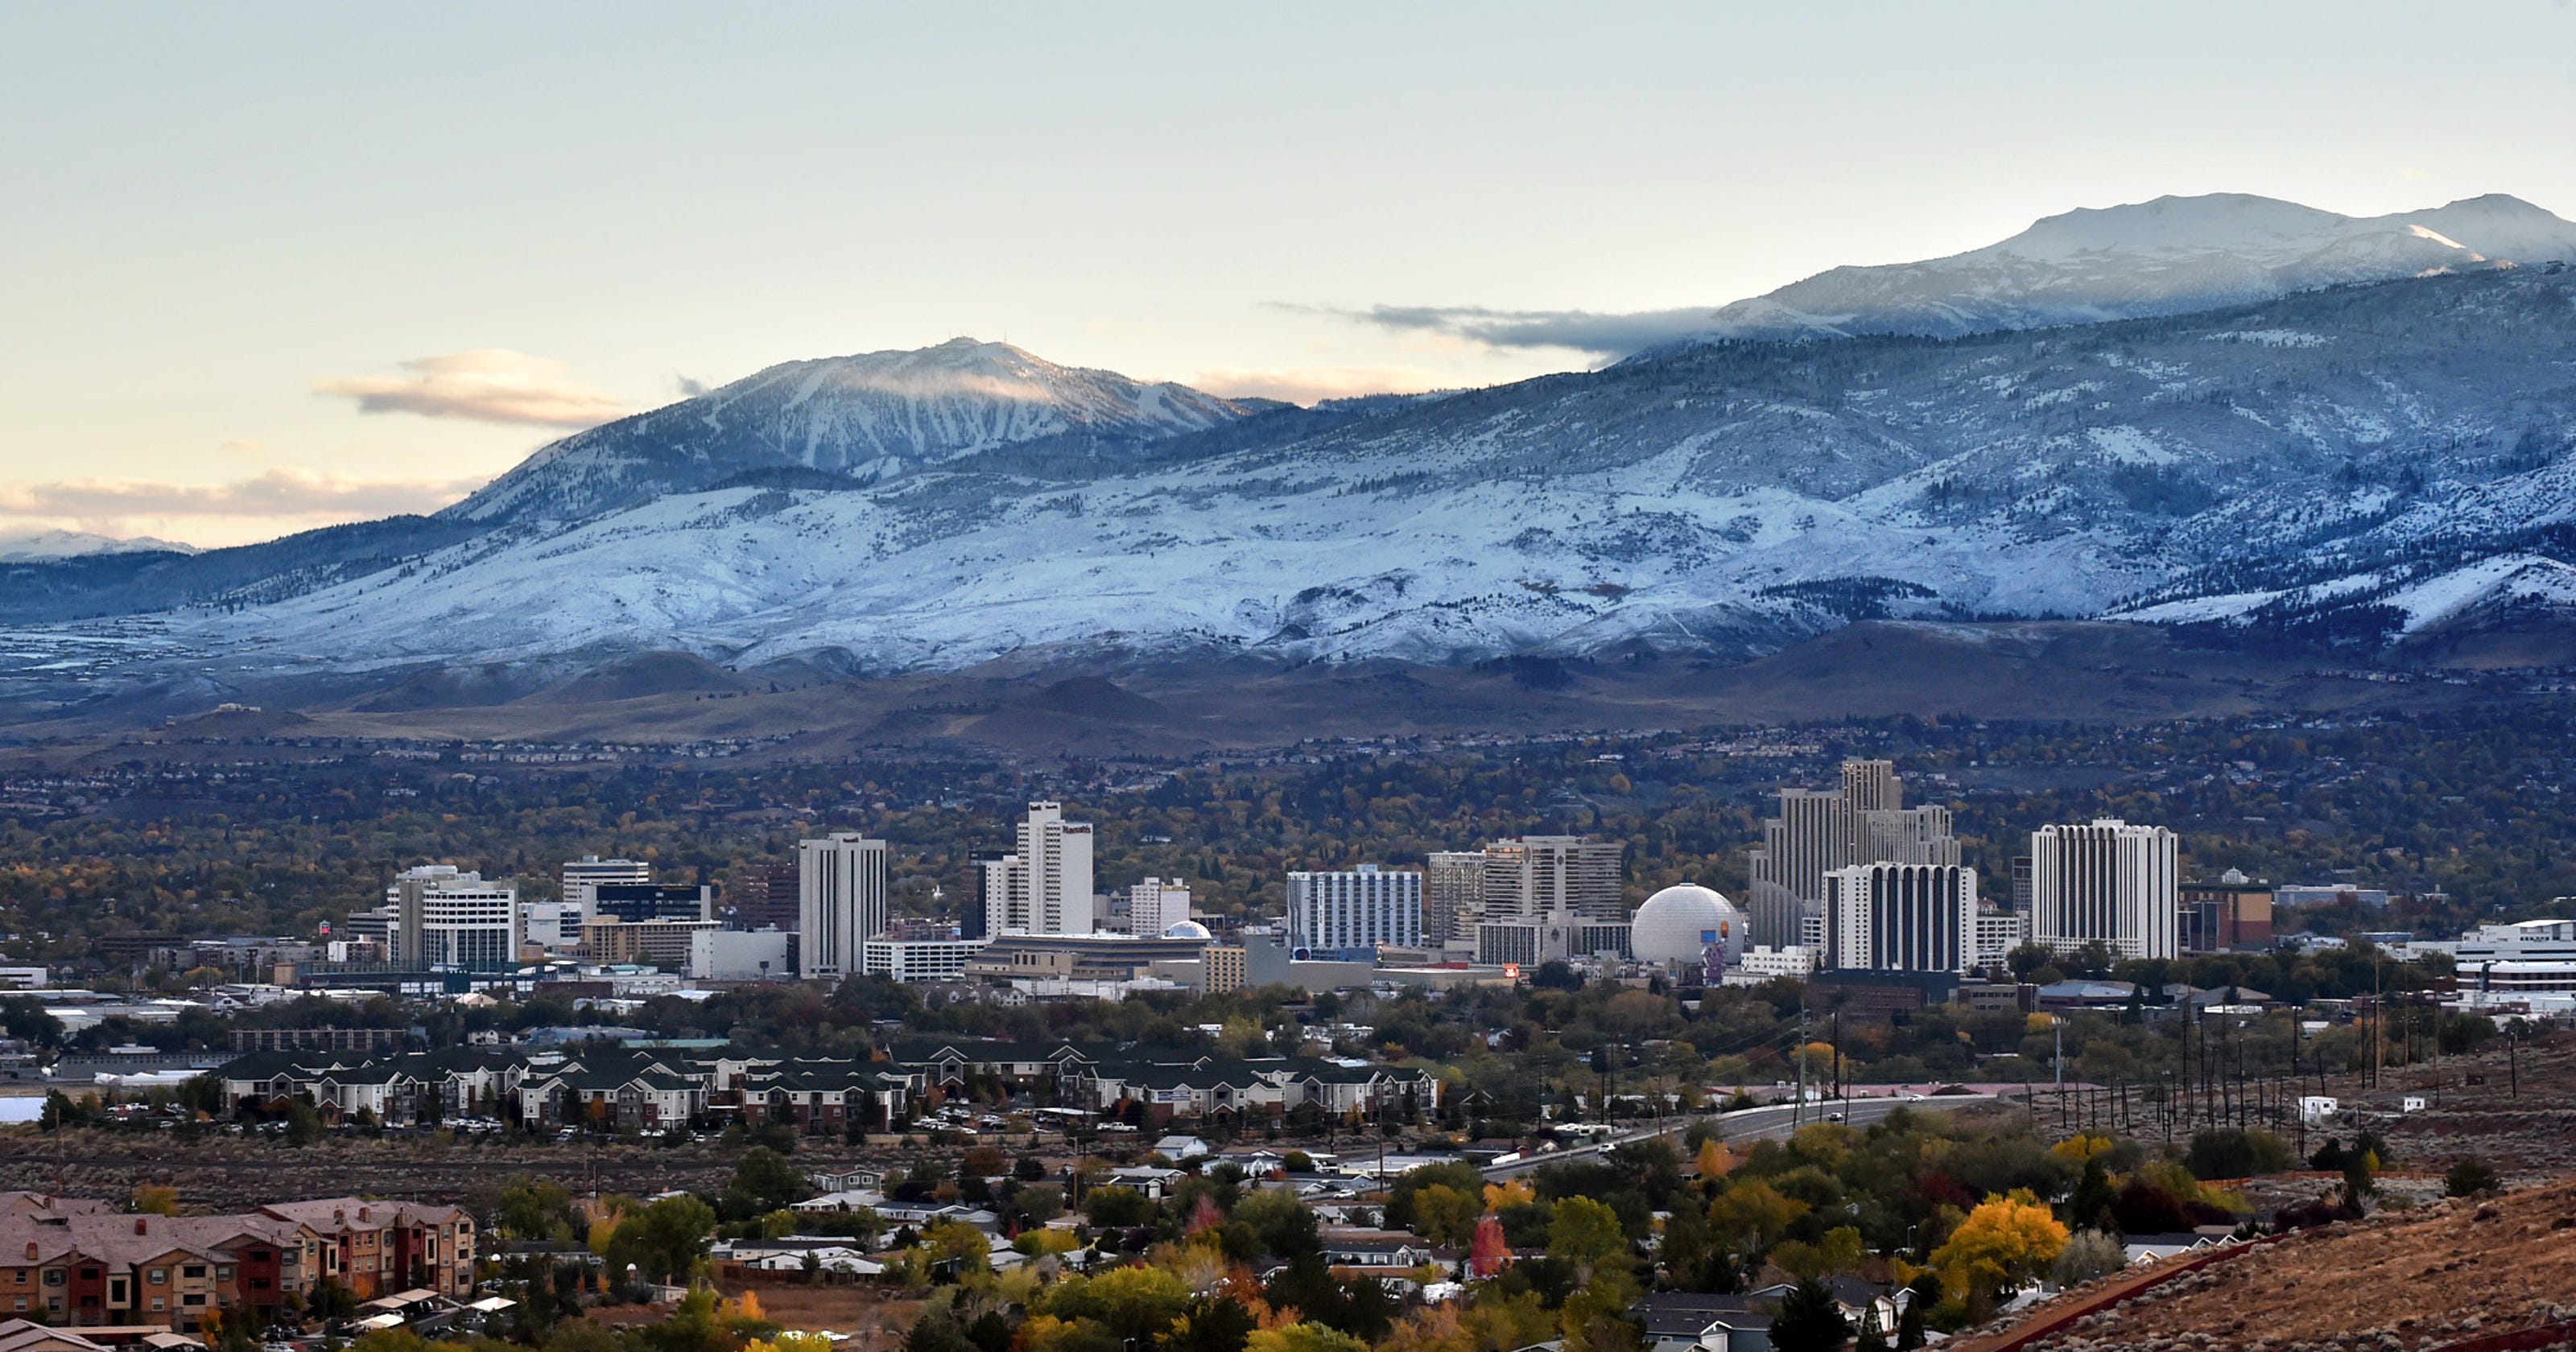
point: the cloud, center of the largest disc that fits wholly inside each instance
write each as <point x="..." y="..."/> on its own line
<point x="492" y="384"/>
<point x="287" y="498"/>
<point x="690" y="386"/>
<point x="1309" y="384"/>
<point x="1606" y="335"/>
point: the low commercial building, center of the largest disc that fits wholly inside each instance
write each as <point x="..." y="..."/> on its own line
<point x="911" y="960"/>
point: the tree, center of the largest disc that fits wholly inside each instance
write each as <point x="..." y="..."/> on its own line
<point x="664" y="1240"/>
<point x="1810" y="1320"/>
<point x="768" y="1181"/>
<point x="2087" y="1255"/>
<point x="1284" y="1224"/>
<point x="1444" y="1215"/>
<point x="1115" y="1206"/>
<point x="2005" y="1241"/>
<point x="957" y="1248"/>
<point x="2470" y="1177"/>
<point x="156" y="1199"/>
<point x="1585" y="1233"/>
<point x="1302" y="1337"/>
<point x="1488" y="1253"/>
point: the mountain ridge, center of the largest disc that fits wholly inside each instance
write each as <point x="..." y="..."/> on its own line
<point x="870" y="417"/>
<point x="1728" y="500"/>
<point x="2170" y="255"/>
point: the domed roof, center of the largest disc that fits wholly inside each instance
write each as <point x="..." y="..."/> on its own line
<point x="1188" y="929"/>
<point x="1679" y="923"/>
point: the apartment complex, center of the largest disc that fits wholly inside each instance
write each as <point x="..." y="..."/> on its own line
<point x="81" y="1264"/>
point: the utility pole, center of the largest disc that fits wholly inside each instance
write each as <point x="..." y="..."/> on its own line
<point x="1838" y="1055"/>
<point x="1798" y="1110"/>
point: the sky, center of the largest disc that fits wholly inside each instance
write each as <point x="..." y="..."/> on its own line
<point x="273" y="266"/>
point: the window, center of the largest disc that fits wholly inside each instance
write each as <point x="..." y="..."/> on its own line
<point x="224" y="1273"/>
<point x="22" y="1302"/>
<point x="53" y="1276"/>
<point x="157" y="1277"/>
<point x="195" y="1272"/>
<point x="259" y="1283"/>
<point x="159" y="1304"/>
<point x="262" y="1256"/>
<point x="22" y="1276"/>
<point x="193" y="1298"/>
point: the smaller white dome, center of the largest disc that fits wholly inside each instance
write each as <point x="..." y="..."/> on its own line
<point x="1188" y="929"/>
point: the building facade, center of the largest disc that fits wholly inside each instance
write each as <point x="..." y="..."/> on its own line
<point x="909" y="960"/>
<point x="1530" y="877"/>
<point x="1043" y="887"/>
<point x="1354" y="910"/>
<point x="1155" y="905"/>
<point x="1864" y="821"/>
<point x="842" y="885"/>
<point x="2233" y="912"/>
<point x="2106" y="881"/>
<point x="443" y="918"/>
<point x="1453" y="886"/>
<point x="1900" y="918"/>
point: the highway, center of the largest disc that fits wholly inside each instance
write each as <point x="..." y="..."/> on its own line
<point x="1745" y="1124"/>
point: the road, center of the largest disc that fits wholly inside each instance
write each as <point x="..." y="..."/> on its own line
<point x="1746" y="1124"/>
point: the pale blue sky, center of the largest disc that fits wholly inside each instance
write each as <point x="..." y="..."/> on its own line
<point x="219" y="225"/>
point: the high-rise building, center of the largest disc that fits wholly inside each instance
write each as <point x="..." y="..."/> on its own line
<point x="762" y="896"/>
<point x="1453" y="885"/>
<point x="2021" y="884"/>
<point x="1043" y="887"/>
<point x="1155" y="905"/>
<point x="1900" y="918"/>
<point x="582" y="875"/>
<point x="1548" y="897"/>
<point x="1354" y="910"/>
<point x="442" y="918"/>
<point x="1864" y="822"/>
<point x="2107" y="881"/>
<point x="1530" y="877"/>
<point x="842" y="886"/>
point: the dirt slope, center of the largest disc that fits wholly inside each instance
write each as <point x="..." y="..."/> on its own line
<point x="2395" y="1283"/>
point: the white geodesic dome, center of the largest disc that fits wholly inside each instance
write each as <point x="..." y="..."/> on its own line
<point x="1680" y="924"/>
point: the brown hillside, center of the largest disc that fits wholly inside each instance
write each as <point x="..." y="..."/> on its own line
<point x="2398" y="1282"/>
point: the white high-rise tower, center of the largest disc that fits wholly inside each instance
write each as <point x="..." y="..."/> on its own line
<point x="842" y="884"/>
<point x="2109" y="881"/>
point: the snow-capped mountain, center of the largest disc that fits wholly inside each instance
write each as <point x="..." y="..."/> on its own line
<point x="871" y="418"/>
<point x="33" y="546"/>
<point x="2392" y="455"/>
<point x="2173" y="255"/>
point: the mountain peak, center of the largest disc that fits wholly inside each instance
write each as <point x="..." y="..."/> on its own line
<point x="868" y="417"/>
<point x="2168" y="255"/>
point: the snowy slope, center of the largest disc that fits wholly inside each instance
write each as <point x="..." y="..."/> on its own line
<point x="31" y="546"/>
<point x="2323" y="450"/>
<point x="2173" y="255"/>
<point x="873" y="417"/>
